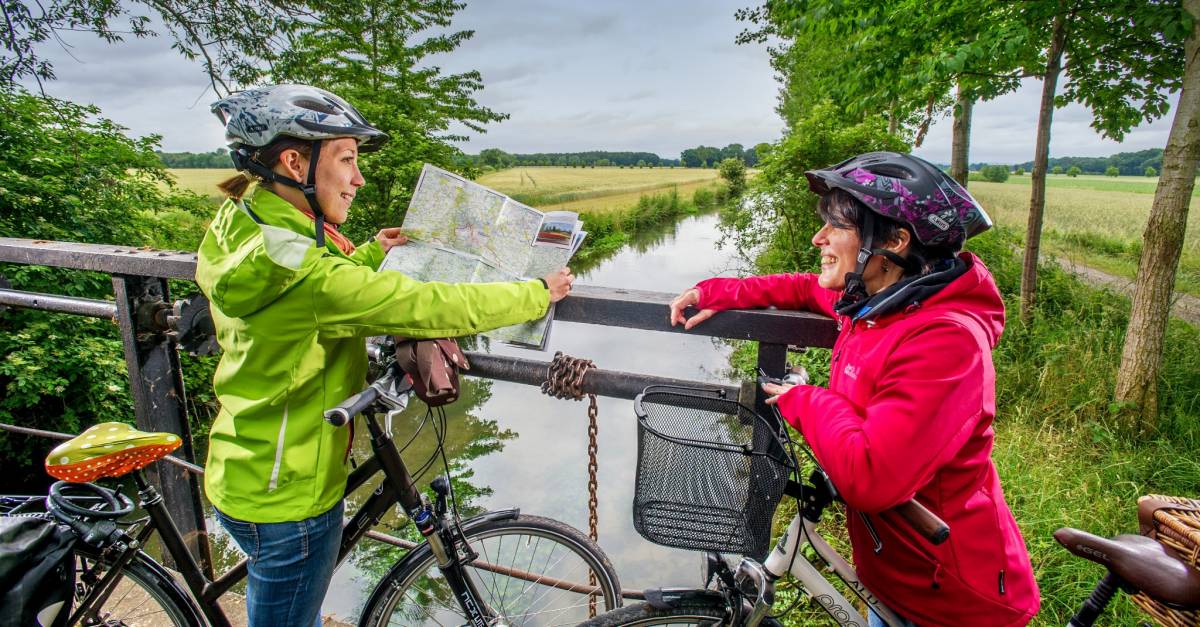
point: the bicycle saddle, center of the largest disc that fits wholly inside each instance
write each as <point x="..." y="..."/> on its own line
<point x="109" y="449"/>
<point x="1140" y="561"/>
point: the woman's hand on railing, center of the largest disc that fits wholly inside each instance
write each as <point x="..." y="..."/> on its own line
<point x="559" y="284"/>
<point x="689" y="298"/>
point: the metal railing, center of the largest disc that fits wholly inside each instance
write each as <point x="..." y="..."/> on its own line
<point x="142" y="305"/>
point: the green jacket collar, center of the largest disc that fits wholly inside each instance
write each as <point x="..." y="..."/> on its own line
<point x="276" y="211"/>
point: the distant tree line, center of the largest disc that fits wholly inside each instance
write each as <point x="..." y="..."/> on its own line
<point x="496" y="158"/>
<point x="710" y="157"/>
<point x="218" y="158"/>
<point x="1126" y="163"/>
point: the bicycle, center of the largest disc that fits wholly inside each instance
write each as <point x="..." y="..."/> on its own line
<point x="498" y="568"/>
<point x="722" y="469"/>
<point x="726" y="468"/>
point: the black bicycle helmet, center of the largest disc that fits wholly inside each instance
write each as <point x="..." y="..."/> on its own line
<point x="910" y="190"/>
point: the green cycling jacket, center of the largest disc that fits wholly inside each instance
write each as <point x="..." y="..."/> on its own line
<point x="291" y="319"/>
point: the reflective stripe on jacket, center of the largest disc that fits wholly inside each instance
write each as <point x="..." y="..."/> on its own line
<point x="291" y="320"/>
<point x="908" y="412"/>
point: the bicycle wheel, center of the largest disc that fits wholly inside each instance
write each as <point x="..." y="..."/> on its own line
<point x="145" y="595"/>
<point x="707" y="611"/>
<point x="414" y="592"/>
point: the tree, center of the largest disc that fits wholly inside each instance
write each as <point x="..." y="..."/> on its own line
<point x="375" y="55"/>
<point x="1122" y="57"/>
<point x="234" y="40"/>
<point x="994" y="173"/>
<point x="1074" y="171"/>
<point x="1150" y="171"/>
<point x="1019" y="171"/>
<point x="1058" y="169"/>
<point x="1112" y="170"/>
<point x="733" y="171"/>
<point x="68" y="174"/>
<point x="1141" y="357"/>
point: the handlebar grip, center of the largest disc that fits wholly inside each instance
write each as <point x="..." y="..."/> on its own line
<point x="345" y="411"/>
<point x="923" y="521"/>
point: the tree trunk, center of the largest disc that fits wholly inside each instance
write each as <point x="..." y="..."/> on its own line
<point x="960" y="143"/>
<point x="1037" y="199"/>
<point x="1137" y="378"/>
<point x="893" y="120"/>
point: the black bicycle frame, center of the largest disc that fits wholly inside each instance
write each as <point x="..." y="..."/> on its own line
<point x="398" y="487"/>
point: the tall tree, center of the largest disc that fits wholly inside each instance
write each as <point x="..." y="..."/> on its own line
<point x="378" y="55"/>
<point x="1121" y="59"/>
<point x="1141" y="358"/>
<point x="233" y="40"/>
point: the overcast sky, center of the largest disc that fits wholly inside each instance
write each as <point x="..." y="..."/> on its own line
<point x="650" y="75"/>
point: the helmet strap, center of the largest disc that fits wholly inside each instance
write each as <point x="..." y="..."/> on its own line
<point x="855" y="291"/>
<point x="244" y="161"/>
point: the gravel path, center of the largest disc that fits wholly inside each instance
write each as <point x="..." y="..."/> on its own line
<point x="1185" y="307"/>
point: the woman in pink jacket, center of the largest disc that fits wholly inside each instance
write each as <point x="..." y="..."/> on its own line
<point x="911" y="397"/>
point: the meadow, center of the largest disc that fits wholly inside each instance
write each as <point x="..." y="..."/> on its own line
<point x="203" y="181"/>
<point x="594" y="190"/>
<point x="1096" y="221"/>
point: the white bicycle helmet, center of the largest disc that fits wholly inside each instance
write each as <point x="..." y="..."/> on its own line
<point x="256" y="117"/>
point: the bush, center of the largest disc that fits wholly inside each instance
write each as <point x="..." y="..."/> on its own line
<point x="1112" y="170"/>
<point x="1150" y="171"/>
<point x="733" y="171"/>
<point x="1019" y="172"/>
<point x="994" y="173"/>
<point x="1057" y="170"/>
<point x="1074" y="171"/>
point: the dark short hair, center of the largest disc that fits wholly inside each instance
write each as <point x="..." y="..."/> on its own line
<point x="841" y="210"/>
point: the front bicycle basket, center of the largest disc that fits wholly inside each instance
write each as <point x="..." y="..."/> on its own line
<point x="710" y="472"/>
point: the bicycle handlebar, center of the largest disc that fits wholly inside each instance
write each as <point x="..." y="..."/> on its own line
<point x="923" y="521"/>
<point x="345" y="411"/>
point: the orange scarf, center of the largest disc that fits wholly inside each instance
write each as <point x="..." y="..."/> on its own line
<point x="341" y="241"/>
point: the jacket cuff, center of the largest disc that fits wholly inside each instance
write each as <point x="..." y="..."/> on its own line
<point x="795" y="404"/>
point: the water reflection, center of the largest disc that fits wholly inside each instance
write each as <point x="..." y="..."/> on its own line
<point x="511" y="446"/>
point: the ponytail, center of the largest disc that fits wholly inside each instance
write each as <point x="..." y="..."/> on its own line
<point x="235" y="187"/>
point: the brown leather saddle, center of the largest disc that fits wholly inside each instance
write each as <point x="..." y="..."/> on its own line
<point x="1141" y="562"/>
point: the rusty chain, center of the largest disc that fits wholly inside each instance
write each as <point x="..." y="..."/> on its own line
<point x="564" y="380"/>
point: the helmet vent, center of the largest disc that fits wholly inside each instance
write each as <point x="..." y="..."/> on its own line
<point x="317" y="105"/>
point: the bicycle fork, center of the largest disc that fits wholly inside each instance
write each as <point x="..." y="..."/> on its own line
<point x="785" y="557"/>
<point x="439" y="533"/>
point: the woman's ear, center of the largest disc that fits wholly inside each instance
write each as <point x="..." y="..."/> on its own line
<point x="294" y="164"/>
<point x="900" y="243"/>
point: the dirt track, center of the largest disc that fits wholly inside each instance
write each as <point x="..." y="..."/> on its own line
<point x="1185" y="307"/>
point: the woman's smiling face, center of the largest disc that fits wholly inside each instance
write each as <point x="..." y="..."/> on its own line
<point x="839" y="254"/>
<point x="338" y="177"/>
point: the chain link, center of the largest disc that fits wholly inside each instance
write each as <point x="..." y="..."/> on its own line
<point x="564" y="380"/>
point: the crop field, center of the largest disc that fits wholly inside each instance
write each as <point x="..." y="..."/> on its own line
<point x="572" y="189"/>
<point x="594" y="189"/>
<point x="1095" y="220"/>
<point x="201" y="180"/>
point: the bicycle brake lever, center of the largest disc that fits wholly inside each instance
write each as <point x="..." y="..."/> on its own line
<point x="878" y="548"/>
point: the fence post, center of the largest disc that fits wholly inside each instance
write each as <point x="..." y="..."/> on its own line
<point x="159" y="401"/>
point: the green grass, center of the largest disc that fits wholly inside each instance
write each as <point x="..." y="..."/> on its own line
<point x="1095" y="220"/>
<point x="203" y="181"/>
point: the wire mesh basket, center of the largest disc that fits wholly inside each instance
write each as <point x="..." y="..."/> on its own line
<point x="710" y="471"/>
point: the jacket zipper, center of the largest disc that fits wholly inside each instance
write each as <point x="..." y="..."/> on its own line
<point x="838" y="355"/>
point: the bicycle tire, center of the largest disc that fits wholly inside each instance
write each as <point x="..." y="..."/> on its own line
<point x="705" y="612"/>
<point x="145" y="596"/>
<point x="413" y="592"/>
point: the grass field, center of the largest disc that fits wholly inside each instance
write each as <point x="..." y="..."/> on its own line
<point x="1096" y="220"/>
<point x="201" y="180"/>
<point x="594" y="189"/>
<point x="572" y="189"/>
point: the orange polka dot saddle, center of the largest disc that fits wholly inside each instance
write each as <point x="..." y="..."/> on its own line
<point x="109" y="449"/>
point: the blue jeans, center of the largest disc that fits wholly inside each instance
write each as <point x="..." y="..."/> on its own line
<point x="875" y="620"/>
<point x="291" y="564"/>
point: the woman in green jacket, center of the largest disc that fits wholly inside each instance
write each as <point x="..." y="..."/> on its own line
<point x="293" y="301"/>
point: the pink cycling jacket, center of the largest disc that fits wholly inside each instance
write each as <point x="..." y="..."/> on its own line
<point x="908" y="412"/>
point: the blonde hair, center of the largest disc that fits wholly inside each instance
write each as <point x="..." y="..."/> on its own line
<point x="235" y="187"/>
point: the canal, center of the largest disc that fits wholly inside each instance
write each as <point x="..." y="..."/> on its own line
<point x="512" y="446"/>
